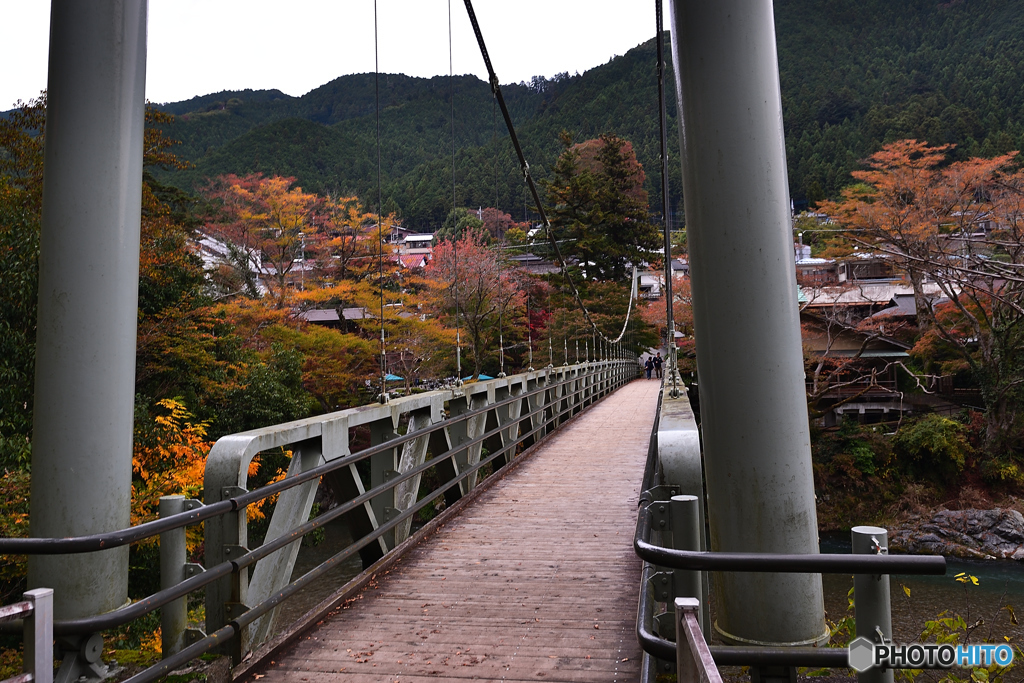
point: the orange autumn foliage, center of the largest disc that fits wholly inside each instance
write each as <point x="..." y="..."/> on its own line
<point x="169" y="459"/>
<point x="910" y="200"/>
<point x="268" y="221"/>
<point x="959" y="227"/>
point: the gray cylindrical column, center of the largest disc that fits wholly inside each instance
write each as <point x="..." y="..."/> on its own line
<point x="173" y="556"/>
<point x="686" y="535"/>
<point x="749" y="357"/>
<point x="88" y="296"/>
<point x="871" y="601"/>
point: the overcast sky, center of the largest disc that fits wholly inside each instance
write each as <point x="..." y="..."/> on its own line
<point x="198" y="47"/>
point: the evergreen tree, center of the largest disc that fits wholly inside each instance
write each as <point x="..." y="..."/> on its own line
<point x="597" y="203"/>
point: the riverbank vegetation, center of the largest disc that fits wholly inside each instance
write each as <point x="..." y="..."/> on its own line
<point x="953" y="231"/>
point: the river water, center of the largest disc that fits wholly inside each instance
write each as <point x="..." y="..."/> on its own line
<point x="1000" y="583"/>
<point x="336" y="538"/>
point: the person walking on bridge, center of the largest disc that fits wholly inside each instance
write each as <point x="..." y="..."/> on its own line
<point x="657" y="365"/>
<point x="648" y="366"/>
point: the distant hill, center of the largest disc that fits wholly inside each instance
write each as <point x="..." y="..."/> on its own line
<point x="855" y="74"/>
<point x="860" y="73"/>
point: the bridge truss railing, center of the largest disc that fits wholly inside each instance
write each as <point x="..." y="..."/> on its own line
<point x="455" y="433"/>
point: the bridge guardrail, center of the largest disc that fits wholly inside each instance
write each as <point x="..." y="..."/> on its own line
<point x="503" y="415"/>
<point x="36" y="613"/>
<point x="661" y="587"/>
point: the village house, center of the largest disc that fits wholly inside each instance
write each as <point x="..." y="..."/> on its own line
<point x="852" y="372"/>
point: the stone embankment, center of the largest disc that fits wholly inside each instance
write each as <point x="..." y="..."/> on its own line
<point x="979" y="534"/>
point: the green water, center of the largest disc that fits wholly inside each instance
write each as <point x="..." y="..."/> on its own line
<point x="1000" y="583"/>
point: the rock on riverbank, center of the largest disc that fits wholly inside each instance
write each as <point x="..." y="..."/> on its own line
<point x="979" y="534"/>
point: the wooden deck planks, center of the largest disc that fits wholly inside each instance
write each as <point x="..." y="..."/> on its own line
<point x="536" y="581"/>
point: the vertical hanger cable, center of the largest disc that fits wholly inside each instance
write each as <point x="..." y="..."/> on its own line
<point x="380" y="211"/>
<point x="455" y="218"/>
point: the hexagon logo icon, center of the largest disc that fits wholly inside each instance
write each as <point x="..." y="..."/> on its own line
<point x="861" y="654"/>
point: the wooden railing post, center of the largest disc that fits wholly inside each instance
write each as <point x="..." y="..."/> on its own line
<point x="694" y="663"/>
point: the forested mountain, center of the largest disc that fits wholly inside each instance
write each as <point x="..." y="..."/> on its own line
<point x="854" y="76"/>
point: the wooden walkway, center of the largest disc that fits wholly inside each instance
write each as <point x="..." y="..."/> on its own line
<point x="534" y="581"/>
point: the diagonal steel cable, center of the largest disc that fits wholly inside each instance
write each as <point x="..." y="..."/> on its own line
<point x="525" y="167"/>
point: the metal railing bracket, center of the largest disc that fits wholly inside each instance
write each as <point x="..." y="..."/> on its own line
<point x="661" y="492"/>
<point x="229" y="492"/>
<point x="233" y="610"/>
<point x="663" y="585"/>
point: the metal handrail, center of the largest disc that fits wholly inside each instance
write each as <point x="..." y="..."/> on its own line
<point x="696" y="560"/>
<point x="655" y="556"/>
<point x="665" y="649"/>
<point x="110" y="539"/>
<point x="235" y="626"/>
<point x="124" y="615"/>
<point x="146" y="530"/>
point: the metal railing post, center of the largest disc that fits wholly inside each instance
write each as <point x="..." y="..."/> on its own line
<point x="534" y="415"/>
<point x="38" y="630"/>
<point x="686" y="535"/>
<point x="577" y="390"/>
<point x="413" y="455"/>
<point x="293" y="506"/>
<point x="475" y="427"/>
<point x="871" y="597"/>
<point x="173" y="615"/>
<point x="384" y="467"/>
<point x="557" y="399"/>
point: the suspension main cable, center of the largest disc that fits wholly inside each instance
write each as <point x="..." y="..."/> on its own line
<point x="525" y="167"/>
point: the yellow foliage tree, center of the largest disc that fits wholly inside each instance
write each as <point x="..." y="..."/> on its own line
<point x="169" y="458"/>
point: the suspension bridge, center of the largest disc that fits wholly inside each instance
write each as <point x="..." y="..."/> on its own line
<point x="535" y="581"/>
<point x="529" y="573"/>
